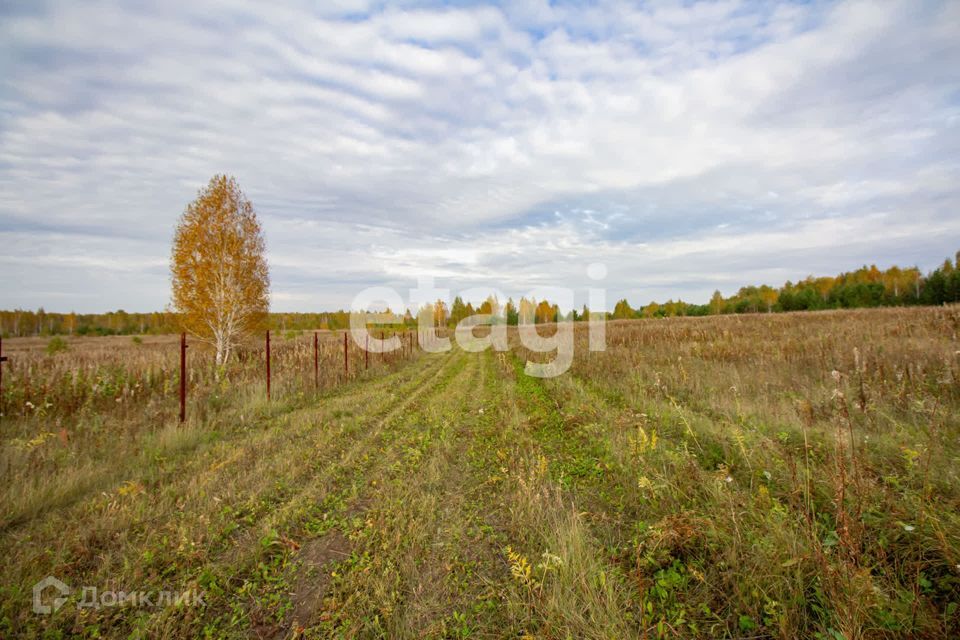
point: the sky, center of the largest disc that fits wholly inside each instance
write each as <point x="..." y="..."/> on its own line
<point x="687" y="146"/>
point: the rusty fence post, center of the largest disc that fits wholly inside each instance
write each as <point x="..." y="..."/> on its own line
<point x="183" y="377"/>
<point x="268" y="365"/>
<point x="346" y="359"/>
<point x="316" y="361"/>
<point x="366" y="353"/>
<point x="3" y="359"/>
<point x="382" y="350"/>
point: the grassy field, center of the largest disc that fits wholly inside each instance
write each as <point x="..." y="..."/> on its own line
<point x="784" y="476"/>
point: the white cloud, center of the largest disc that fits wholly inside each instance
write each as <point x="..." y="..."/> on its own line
<point x="376" y="143"/>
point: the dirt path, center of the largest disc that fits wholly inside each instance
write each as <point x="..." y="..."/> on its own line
<point x="430" y="555"/>
<point x="434" y="502"/>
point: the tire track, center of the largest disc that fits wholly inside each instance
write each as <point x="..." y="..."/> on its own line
<point x="402" y="514"/>
<point x="353" y="461"/>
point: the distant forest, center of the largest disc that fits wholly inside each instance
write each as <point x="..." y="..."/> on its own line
<point x="865" y="287"/>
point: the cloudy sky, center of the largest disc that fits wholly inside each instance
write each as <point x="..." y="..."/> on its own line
<point x="688" y="146"/>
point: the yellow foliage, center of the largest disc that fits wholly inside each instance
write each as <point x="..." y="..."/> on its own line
<point x="130" y="487"/>
<point x="219" y="272"/>
<point x="520" y="568"/>
<point x="645" y="442"/>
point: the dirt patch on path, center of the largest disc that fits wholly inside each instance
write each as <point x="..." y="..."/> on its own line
<point x="313" y="577"/>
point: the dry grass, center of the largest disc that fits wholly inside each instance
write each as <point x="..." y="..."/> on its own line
<point x="766" y="476"/>
<point x="69" y="416"/>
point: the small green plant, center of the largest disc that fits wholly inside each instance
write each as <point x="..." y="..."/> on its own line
<point x="56" y="345"/>
<point x="137" y="340"/>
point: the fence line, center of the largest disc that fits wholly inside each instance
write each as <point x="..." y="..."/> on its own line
<point x="100" y="378"/>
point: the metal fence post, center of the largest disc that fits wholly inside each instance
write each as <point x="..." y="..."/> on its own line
<point x="3" y="359"/>
<point x="316" y="361"/>
<point x="366" y="353"/>
<point x="346" y="359"/>
<point x="268" y="365"/>
<point x="183" y="377"/>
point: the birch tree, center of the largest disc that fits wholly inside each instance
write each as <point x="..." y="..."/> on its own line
<point x="220" y="282"/>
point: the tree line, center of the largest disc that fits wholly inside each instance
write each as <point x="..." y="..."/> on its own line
<point x="865" y="287"/>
